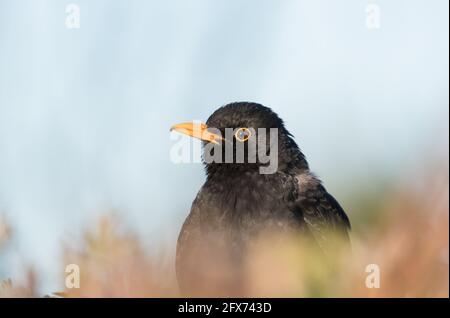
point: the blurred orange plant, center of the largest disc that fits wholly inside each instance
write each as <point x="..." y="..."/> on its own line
<point x="410" y="245"/>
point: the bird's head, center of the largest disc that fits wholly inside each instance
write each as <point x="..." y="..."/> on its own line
<point x="241" y="137"/>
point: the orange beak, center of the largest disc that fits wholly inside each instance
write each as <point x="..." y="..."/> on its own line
<point x="197" y="130"/>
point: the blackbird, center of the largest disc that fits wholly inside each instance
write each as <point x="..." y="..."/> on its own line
<point x="238" y="202"/>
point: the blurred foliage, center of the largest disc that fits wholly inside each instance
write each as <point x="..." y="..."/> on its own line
<point x="403" y="228"/>
<point x="113" y="263"/>
<point x="5" y="232"/>
<point x="7" y="289"/>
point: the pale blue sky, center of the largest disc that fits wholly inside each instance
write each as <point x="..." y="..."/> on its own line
<point x="84" y="113"/>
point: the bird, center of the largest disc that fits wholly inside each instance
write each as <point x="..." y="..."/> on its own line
<point x="237" y="202"/>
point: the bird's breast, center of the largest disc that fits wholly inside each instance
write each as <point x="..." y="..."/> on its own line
<point x="226" y="218"/>
<point x="248" y="204"/>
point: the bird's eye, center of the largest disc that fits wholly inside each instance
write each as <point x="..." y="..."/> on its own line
<point x="243" y="134"/>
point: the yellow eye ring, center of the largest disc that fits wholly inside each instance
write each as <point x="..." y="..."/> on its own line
<point x="243" y="134"/>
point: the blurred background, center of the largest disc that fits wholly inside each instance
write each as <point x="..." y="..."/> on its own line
<point x="85" y="115"/>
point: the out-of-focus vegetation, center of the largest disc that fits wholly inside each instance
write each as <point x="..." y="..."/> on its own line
<point x="405" y="231"/>
<point x="7" y="289"/>
<point x="5" y="232"/>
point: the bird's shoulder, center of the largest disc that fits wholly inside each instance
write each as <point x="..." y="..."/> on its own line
<point x="320" y="210"/>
